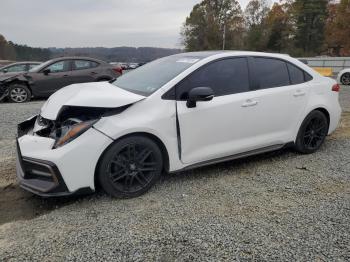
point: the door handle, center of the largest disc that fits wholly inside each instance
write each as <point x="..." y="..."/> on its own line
<point x="65" y="75"/>
<point x="93" y="73"/>
<point x="250" y="103"/>
<point x="299" y="93"/>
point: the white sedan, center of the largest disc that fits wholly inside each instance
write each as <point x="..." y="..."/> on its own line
<point x="176" y="113"/>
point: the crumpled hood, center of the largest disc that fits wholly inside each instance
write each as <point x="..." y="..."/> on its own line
<point x="5" y="76"/>
<point x="99" y="94"/>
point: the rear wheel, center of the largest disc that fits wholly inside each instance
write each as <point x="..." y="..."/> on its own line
<point x="345" y="79"/>
<point x="130" y="167"/>
<point x="312" y="133"/>
<point x="19" y="93"/>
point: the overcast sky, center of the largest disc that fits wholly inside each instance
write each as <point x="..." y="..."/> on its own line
<point x="90" y="23"/>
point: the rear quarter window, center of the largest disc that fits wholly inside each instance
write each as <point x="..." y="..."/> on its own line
<point x="296" y="75"/>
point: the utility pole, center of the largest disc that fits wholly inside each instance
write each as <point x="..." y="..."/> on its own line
<point x="224" y="36"/>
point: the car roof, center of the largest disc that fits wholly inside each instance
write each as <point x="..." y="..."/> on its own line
<point x="23" y="62"/>
<point x="206" y="54"/>
<point x="76" y="58"/>
<point x="212" y="55"/>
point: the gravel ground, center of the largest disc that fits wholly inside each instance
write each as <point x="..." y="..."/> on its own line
<point x="278" y="206"/>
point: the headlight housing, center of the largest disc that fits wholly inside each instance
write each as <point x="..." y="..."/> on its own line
<point x="70" y="130"/>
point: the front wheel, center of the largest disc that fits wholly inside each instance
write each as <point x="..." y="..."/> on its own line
<point x="312" y="133"/>
<point x="19" y="93"/>
<point x="130" y="167"/>
<point x="345" y="79"/>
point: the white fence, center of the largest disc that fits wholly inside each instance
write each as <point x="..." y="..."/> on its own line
<point x="336" y="63"/>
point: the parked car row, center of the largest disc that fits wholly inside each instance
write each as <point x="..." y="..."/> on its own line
<point x="129" y="66"/>
<point x="20" y="82"/>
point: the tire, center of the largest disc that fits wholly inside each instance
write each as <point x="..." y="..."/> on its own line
<point x="130" y="167"/>
<point x="312" y="133"/>
<point x="19" y="93"/>
<point x="345" y="79"/>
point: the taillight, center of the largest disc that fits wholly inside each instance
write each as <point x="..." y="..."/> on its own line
<point x="118" y="70"/>
<point x="336" y="88"/>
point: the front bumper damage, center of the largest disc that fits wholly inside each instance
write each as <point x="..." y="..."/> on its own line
<point x="50" y="172"/>
<point x="39" y="177"/>
<point x="34" y="175"/>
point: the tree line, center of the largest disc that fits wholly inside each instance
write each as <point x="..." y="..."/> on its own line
<point x="12" y="51"/>
<point x="15" y="52"/>
<point x="297" y="27"/>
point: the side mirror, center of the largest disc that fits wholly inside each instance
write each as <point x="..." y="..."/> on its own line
<point x="46" y="71"/>
<point x="4" y="71"/>
<point x="199" y="94"/>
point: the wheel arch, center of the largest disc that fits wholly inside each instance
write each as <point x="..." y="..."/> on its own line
<point x="153" y="137"/>
<point x="21" y="82"/>
<point x="322" y="109"/>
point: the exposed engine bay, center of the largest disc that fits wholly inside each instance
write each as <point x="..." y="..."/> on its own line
<point x="72" y="121"/>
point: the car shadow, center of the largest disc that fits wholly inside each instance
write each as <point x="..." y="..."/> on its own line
<point x="213" y="170"/>
<point x="18" y="204"/>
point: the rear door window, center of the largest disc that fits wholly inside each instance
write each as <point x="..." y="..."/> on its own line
<point x="271" y="73"/>
<point x="83" y="64"/>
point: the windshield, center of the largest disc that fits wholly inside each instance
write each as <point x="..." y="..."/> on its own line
<point x="37" y="68"/>
<point x="148" y="78"/>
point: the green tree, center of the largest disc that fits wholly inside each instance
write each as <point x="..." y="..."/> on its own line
<point x="255" y="18"/>
<point x="24" y="52"/>
<point x="338" y="28"/>
<point x="6" y="49"/>
<point x="212" y="21"/>
<point x="310" y="20"/>
<point x="280" y="26"/>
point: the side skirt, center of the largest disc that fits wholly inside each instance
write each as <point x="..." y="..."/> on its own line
<point x="236" y="156"/>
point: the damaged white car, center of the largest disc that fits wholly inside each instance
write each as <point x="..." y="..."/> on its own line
<point x="176" y="113"/>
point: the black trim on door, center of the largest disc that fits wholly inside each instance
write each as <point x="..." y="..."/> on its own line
<point x="254" y="83"/>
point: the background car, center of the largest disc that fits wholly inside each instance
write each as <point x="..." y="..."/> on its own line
<point x="45" y="79"/>
<point x="344" y="77"/>
<point x="18" y="67"/>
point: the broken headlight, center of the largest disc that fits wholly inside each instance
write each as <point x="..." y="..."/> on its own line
<point x="70" y="130"/>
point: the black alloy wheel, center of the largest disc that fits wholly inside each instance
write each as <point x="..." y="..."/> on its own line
<point x="312" y="133"/>
<point x="130" y="167"/>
